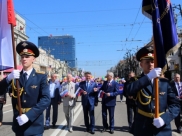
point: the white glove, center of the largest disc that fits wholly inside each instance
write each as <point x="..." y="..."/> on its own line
<point x="154" y="73"/>
<point x="22" y="119"/>
<point x="158" y="122"/>
<point x="15" y="74"/>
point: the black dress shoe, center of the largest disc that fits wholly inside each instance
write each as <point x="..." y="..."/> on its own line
<point x="92" y="132"/>
<point x="179" y="130"/>
<point x="53" y="125"/>
<point x="46" y="127"/>
<point x="112" y="131"/>
<point x="103" y="130"/>
<point x="87" y="130"/>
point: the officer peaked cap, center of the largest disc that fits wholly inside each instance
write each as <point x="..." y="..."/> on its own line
<point x="146" y="52"/>
<point x="27" y="48"/>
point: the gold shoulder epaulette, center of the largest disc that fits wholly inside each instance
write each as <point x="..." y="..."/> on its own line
<point x="40" y="72"/>
<point x="138" y="77"/>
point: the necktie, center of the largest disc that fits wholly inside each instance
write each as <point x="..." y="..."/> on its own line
<point x="25" y="77"/>
<point x="87" y="84"/>
<point x="179" y="89"/>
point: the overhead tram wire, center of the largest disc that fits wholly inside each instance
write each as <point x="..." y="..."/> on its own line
<point x="33" y="29"/>
<point x="46" y="13"/>
<point x="132" y="26"/>
<point x="138" y="30"/>
<point x="94" y="25"/>
<point x="134" y="22"/>
<point x="32" y="22"/>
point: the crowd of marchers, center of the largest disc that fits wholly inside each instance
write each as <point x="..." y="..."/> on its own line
<point x="37" y="94"/>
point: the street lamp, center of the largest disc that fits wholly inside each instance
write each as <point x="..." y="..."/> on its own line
<point x="48" y="52"/>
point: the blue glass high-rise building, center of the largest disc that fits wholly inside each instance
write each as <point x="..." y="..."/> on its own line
<point x="62" y="47"/>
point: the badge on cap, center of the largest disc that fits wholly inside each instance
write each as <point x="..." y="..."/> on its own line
<point x="25" y="50"/>
<point x="24" y="44"/>
<point x="150" y="48"/>
<point x="150" y="54"/>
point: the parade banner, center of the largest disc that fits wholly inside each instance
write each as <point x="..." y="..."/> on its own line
<point x="101" y="94"/>
<point x="79" y="92"/>
<point x="164" y="34"/>
<point x="7" y="18"/>
<point x="164" y="28"/>
<point x="64" y="93"/>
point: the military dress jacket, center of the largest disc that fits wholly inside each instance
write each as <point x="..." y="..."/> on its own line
<point x="113" y="89"/>
<point x="36" y="98"/>
<point x="91" y="96"/>
<point x="129" y="101"/>
<point x="169" y="106"/>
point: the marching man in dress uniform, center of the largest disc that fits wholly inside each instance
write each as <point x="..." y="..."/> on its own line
<point x="143" y="89"/>
<point x="34" y="96"/>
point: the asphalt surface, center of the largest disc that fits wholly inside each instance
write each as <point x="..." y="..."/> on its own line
<point x="121" y="125"/>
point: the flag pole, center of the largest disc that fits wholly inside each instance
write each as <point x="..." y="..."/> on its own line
<point x="156" y="85"/>
<point x="15" y="67"/>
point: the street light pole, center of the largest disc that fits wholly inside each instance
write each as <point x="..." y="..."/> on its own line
<point x="48" y="52"/>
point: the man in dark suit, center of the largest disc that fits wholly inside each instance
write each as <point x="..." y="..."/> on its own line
<point x="130" y="103"/>
<point x="34" y="94"/>
<point x="145" y="122"/>
<point x="89" y="101"/>
<point x="55" y="101"/>
<point x="110" y="88"/>
<point x="177" y="88"/>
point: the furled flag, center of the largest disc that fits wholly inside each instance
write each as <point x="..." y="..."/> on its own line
<point x="101" y="94"/>
<point x="7" y="18"/>
<point x="120" y="89"/>
<point x="79" y="92"/>
<point x="64" y="93"/>
<point x="164" y="28"/>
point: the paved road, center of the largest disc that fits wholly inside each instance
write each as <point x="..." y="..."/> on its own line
<point x="120" y="122"/>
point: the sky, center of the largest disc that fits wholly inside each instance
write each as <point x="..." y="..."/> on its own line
<point x="104" y="30"/>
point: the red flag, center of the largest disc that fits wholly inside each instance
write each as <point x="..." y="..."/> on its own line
<point x="11" y="13"/>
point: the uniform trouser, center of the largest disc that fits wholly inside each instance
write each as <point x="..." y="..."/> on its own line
<point x="121" y="97"/>
<point x="88" y="110"/>
<point x="177" y="122"/>
<point x="55" y="112"/>
<point x="111" y="116"/>
<point x="130" y="110"/>
<point x="69" y="114"/>
<point x="1" y="112"/>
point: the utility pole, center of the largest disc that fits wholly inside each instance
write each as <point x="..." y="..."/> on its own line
<point x="49" y="55"/>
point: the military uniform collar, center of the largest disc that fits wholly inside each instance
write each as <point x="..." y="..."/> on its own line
<point x="28" y="72"/>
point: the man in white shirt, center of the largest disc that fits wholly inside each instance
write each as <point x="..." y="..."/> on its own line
<point x="54" y="86"/>
<point x="69" y="101"/>
<point x="177" y="88"/>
